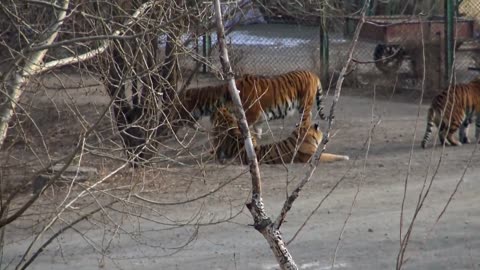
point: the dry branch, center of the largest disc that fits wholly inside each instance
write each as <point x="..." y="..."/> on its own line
<point x="316" y="157"/>
<point x="63" y="208"/>
<point x="262" y="222"/>
<point x="59" y="232"/>
<point x="15" y="81"/>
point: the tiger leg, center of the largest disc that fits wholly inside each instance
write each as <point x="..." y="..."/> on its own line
<point x="463" y="131"/>
<point x="255" y="119"/>
<point x="219" y="151"/>
<point x="257" y="131"/>
<point x="306" y="117"/>
<point x="442" y="134"/>
<point x="451" y="136"/>
<point x="221" y="157"/>
<point x="327" y="157"/>
<point x="430" y="125"/>
<point x="257" y="122"/>
<point x="320" y="99"/>
<point x="477" y="127"/>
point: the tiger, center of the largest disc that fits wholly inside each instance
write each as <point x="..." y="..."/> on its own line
<point x="263" y="99"/>
<point x="454" y="110"/>
<point x="299" y="147"/>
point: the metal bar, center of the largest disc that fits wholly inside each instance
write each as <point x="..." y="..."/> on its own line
<point x="392" y="8"/>
<point x="206" y="44"/>
<point x="371" y="8"/>
<point x="449" y="37"/>
<point x="457" y="7"/>
<point x="324" y="49"/>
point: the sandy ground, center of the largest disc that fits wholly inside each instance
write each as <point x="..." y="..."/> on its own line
<point x="356" y="227"/>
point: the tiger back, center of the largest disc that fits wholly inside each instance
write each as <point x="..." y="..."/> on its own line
<point x="298" y="147"/>
<point x="454" y="110"/>
<point x="263" y="99"/>
<point x="270" y="98"/>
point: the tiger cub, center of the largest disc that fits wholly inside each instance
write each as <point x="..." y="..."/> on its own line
<point x="263" y="99"/>
<point x="298" y="147"/>
<point x="458" y="107"/>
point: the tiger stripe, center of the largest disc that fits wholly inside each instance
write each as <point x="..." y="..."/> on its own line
<point x="297" y="148"/>
<point x="454" y="110"/>
<point x="263" y="99"/>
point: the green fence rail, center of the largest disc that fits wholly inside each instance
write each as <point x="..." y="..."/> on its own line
<point x="400" y="40"/>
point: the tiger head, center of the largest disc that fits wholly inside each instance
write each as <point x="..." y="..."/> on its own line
<point x="227" y="137"/>
<point x="224" y="121"/>
<point x="309" y="137"/>
<point x="226" y="133"/>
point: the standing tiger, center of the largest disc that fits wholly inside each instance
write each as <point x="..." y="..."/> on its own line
<point x="263" y="99"/>
<point x="299" y="147"/>
<point x="453" y="110"/>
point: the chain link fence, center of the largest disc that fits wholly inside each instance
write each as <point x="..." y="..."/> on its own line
<point x="396" y="41"/>
<point x="471" y="50"/>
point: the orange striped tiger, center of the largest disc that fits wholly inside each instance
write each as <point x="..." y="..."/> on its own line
<point x="263" y="99"/>
<point x="298" y="147"/>
<point x="458" y="107"/>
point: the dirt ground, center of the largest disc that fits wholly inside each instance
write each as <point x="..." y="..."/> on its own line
<point x="356" y="227"/>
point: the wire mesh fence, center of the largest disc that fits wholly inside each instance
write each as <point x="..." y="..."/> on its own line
<point x="396" y="41"/>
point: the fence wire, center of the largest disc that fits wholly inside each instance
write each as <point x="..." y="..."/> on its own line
<point x="395" y="42"/>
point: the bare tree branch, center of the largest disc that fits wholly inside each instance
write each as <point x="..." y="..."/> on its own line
<point x="262" y="222"/>
<point x="316" y="157"/>
<point x="16" y="80"/>
<point x="59" y="232"/>
<point x="103" y="45"/>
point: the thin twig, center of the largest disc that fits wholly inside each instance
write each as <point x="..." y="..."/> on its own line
<point x="316" y="157"/>
<point x="190" y="200"/>
<point x="62" y="230"/>
<point x="262" y="222"/>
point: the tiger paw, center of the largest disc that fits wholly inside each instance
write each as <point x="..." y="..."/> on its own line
<point x="455" y="144"/>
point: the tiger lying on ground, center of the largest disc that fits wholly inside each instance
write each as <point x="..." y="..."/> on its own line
<point x="263" y="99"/>
<point x="458" y="108"/>
<point x="299" y="146"/>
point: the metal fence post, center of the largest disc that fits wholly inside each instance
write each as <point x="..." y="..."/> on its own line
<point x="391" y="8"/>
<point x="449" y="38"/>
<point x="206" y="44"/>
<point x="371" y="8"/>
<point x="324" y="48"/>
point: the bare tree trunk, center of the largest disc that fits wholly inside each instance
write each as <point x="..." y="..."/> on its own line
<point x="126" y="116"/>
<point x="326" y="136"/>
<point x="15" y="80"/>
<point x="262" y="222"/>
<point x="169" y="68"/>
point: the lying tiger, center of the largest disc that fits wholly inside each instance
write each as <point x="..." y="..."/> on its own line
<point x="458" y="107"/>
<point x="263" y="99"/>
<point x="299" y="147"/>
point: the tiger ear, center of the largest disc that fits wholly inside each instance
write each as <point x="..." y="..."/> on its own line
<point x="317" y="127"/>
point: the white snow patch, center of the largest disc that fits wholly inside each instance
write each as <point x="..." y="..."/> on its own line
<point x="243" y="38"/>
<point x="310" y="265"/>
<point x="335" y="266"/>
